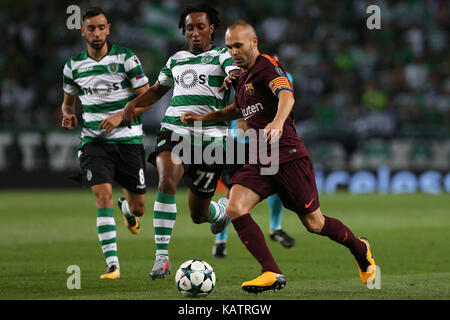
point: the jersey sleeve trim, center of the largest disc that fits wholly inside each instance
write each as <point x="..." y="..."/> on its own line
<point x="134" y="71"/>
<point x="227" y="62"/>
<point x="272" y="60"/>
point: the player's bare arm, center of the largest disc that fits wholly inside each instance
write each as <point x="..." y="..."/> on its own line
<point x="69" y="120"/>
<point x="145" y="100"/>
<point x="228" y="81"/>
<point x="229" y="113"/>
<point x="241" y="124"/>
<point x="274" y="130"/>
<point x="115" y="120"/>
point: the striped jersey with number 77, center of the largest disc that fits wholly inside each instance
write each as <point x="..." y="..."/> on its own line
<point x="196" y="80"/>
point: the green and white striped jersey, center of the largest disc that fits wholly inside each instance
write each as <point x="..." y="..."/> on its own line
<point x="196" y="80"/>
<point x="104" y="87"/>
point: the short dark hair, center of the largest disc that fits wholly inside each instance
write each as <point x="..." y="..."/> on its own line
<point x="93" y="12"/>
<point x="211" y="13"/>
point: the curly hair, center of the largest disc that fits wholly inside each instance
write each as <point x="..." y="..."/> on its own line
<point x="211" y="14"/>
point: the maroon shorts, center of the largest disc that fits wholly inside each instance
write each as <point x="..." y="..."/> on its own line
<point x="294" y="182"/>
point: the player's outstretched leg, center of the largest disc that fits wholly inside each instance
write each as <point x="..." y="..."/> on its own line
<point x="242" y="201"/>
<point x="106" y="228"/>
<point x="334" y="229"/>
<point x="131" y="221"/>
<point x="164" y="217"/>
<point x="253" y="239"/>
<point x="359" y="247"/>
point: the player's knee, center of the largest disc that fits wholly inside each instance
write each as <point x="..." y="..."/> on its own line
<point x="313" y="228"/>
<point x="313" y="222"/>
<point x="167" y="185"/>
<point x="199" y="215"/>
<point x="138" y="209"/>
<point x="234" y="210"/>
<point x="199" y="212"/>
<point x="197" y="219"/>
<point x="104" y="198"/>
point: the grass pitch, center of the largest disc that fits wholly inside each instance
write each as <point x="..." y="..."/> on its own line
<point x="44" y="232"/>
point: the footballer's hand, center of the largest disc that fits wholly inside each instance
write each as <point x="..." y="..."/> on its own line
<point x="228" y="81"/>
<point x="129" y="113"/>
<point x="112" y="122"/>
<point x="69" y="121"/>
<point x="189" y="117"/>
<point x="273" y="131"/>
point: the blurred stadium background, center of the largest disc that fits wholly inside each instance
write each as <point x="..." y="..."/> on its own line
<point x="373" y="106"/>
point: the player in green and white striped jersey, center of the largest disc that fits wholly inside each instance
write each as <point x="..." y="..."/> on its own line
<point x="196" y="79"/>
<point x="105" y="77"/>
<point x="196" y="76"/>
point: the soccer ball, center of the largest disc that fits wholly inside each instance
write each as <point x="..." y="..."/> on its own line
<point x="195" y="278"/>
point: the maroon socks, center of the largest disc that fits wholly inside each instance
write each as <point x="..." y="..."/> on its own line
<point x="253" y="239"/>
<point x="337" y="231"/>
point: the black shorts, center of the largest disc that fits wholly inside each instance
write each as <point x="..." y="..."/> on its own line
<point x="106" y="163"/>
<point x="202" y="176"/>
<point x="294" y="182"/>
<point x="234" y="163"/>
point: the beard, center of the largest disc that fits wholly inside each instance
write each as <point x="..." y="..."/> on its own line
<point x="249" y="58"/>
<point x="96" y="46"/>
<point x="245" y="60"/>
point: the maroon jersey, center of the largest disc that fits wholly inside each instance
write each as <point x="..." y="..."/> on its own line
<point x="257" y="97"/>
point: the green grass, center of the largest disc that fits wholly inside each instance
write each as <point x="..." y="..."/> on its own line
<point x="44" y="232"/>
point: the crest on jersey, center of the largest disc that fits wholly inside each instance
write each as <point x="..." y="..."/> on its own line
<point x="207" y="58"/>
<point x="113" y="67"/>
<point x="89" y="175"/>
<point x="249" y="89"/>
<point x="161" y="142"/>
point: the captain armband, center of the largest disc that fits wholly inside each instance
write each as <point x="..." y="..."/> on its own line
<point x="278" y="84"/>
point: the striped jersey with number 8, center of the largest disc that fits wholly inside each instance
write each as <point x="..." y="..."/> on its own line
<point x="104" y="87"/>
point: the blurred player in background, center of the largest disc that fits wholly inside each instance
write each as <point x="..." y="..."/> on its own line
<point x="196" y="75"/>
<point x="105" y="77"/>
<point x="262" y="80"/>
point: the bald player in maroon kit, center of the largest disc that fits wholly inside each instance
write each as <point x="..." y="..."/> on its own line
<point x="264" y="96"/>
